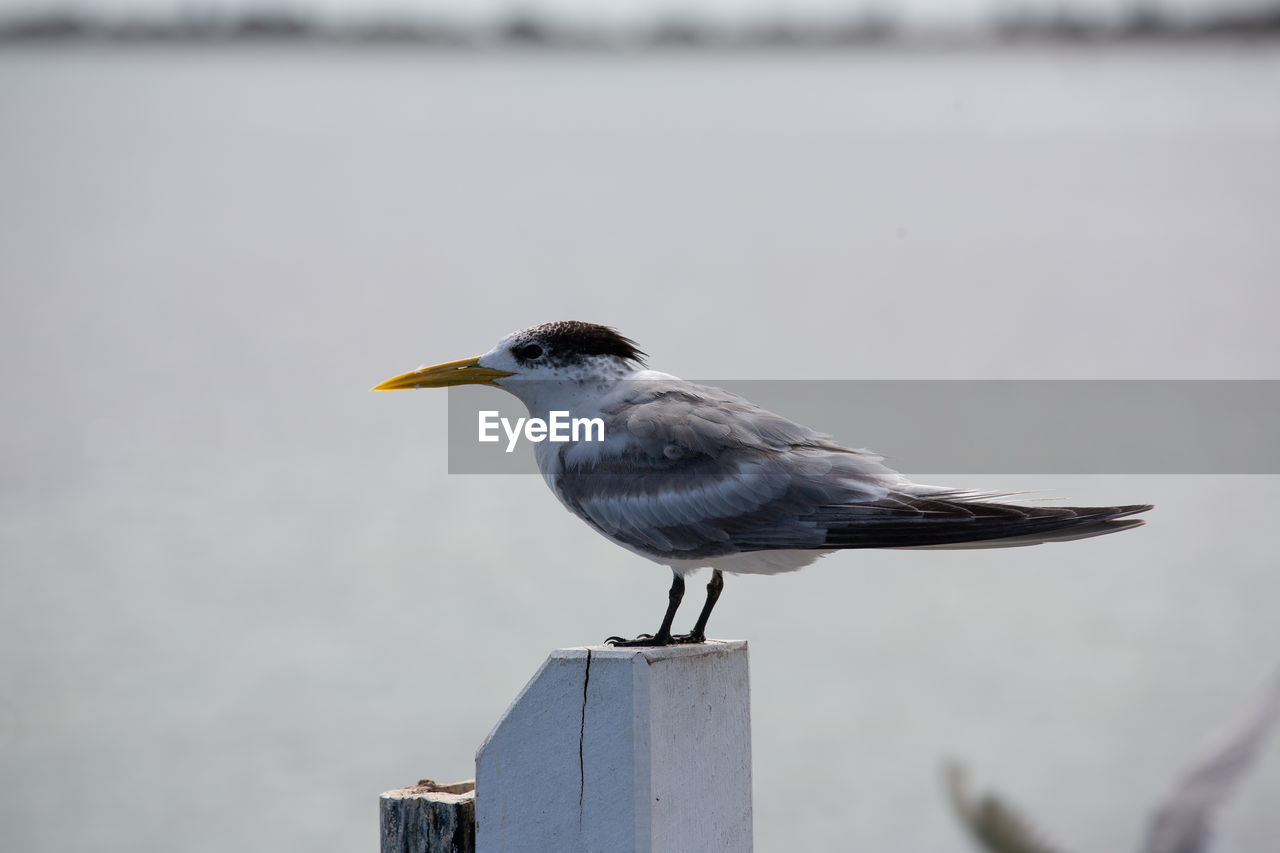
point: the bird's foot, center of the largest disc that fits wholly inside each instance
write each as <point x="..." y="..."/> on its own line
<point x="644" y="640"/>
<point x="648" y="640"/>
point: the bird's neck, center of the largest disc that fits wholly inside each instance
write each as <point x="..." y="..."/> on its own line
<point x="579" y="398"/>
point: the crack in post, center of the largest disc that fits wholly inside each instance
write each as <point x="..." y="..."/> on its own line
<point x="582" y="730"/>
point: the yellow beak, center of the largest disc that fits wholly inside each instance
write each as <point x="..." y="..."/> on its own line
<point x="465" y="372"/>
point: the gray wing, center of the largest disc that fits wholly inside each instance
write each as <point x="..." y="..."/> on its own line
<point x="691" y="472"/>
<point x="991" y="823"/>
<point x="1182" y="821"/>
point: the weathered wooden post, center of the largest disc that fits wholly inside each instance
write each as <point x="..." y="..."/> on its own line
<point x="429" y="818"/>
<point x="609" y="749"/>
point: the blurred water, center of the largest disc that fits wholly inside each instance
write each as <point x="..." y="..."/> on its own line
<point x="240" y="596"/>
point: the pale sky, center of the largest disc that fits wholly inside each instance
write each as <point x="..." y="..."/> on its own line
<point x="623" y="13"/>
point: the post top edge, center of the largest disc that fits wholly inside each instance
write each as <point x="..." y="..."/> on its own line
<point x="710" y="647"/>
<point x="434" y="796"/>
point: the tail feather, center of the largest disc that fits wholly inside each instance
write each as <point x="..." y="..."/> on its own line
<point x="902" y="521"/>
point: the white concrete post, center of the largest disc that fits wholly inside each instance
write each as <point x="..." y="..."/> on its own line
<point x="609" y="750"/>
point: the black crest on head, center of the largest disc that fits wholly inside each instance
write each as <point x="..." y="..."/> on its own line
<point x="567" y="339"/>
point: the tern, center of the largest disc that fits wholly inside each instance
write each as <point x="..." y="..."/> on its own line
<point x="691" y="476"/>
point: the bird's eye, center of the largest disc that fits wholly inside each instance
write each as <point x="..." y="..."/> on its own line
<point x="528" y="352"/>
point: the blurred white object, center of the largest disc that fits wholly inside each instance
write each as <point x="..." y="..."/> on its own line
<point x="1181" y="822"/>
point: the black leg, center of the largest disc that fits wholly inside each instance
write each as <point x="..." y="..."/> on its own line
<point x="663" y="637"/>
<point x="699" y="632"/>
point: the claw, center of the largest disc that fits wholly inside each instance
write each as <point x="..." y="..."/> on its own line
<point x="643" y="640"/>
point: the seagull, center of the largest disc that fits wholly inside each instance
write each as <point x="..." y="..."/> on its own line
<point x="692" y="476"/>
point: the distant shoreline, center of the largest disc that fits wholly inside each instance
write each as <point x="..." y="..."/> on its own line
<point x="1141" y="24"/>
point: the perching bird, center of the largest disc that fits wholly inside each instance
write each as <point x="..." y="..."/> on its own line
<point x="691" y="476"/>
